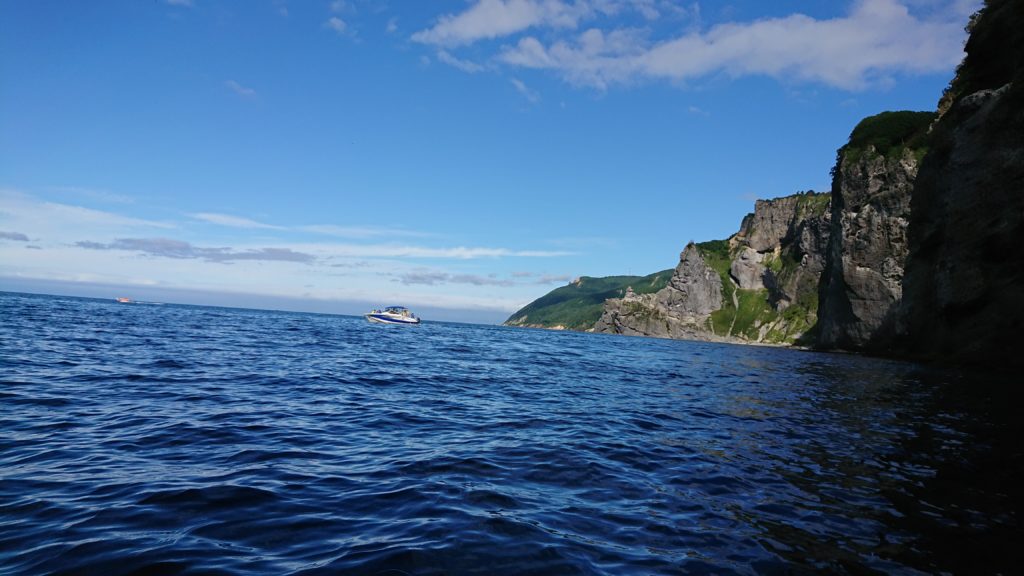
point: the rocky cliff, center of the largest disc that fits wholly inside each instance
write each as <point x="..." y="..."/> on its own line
<point x="679" y="310"/>
<point x="965" y="268"/>
<point x="872" y="184"/>
<point x="758" y="286"/>
<point x="915" y="252"/>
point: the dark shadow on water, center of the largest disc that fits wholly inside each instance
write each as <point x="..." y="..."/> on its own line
<point x="968" y="514"/>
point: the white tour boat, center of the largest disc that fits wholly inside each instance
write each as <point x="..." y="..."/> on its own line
<point x="393" y="315"/>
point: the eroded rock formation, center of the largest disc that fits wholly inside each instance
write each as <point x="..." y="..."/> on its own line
<point x="760" y="285"/>
<point x="680" y="310"/>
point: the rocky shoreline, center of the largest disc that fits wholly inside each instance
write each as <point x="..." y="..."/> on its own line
<point x="913" y="253"/>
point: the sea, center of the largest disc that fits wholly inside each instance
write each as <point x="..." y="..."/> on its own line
<point x="168" y="439"/>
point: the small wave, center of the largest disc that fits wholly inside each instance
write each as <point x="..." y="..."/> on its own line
<point x="209" y="497"/>
<point x="186" y="440"/>
<point x="166" y="364"/>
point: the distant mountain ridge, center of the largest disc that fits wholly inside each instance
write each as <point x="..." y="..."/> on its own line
<point x="578" y="305"/>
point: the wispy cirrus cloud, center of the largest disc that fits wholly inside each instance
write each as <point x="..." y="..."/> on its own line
<point x="413" y="252"/>
<point x="94" y="194"/>
<point x="233" y="221"/>
<point x="354" y="232"/>
<point x="488" y="19"/>
<point x="467" y="66"/>
<point x="239" y="89"/>
<point x="362" y="231"/>
<point x="532" y="96"/>
<point x="873" y="41"/>
<point x="169" y="248"/>
<point x="435" y="278"/>
<point x="336" y="24"/>
<point x="26" y="211"/>
<point x="493" y="19"/>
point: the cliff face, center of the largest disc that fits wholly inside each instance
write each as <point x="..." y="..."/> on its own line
<point x="680" y="310"/>
<point x="917" y="252"/>
<point x="862" y="278"/>
<point x="759" y="286"/>
<point x="962" y="289"/>
<point x="789" y="236"/>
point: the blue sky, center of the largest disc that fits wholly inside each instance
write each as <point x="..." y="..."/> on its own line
<point x="463" y="157"/>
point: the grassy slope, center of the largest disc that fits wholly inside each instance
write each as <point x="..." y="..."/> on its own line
<point x="579" y="305"/>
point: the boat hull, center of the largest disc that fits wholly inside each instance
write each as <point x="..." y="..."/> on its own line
<point x="386" y="319"/>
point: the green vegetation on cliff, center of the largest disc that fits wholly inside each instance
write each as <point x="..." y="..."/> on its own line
<point x="716" y="255"/>
<point x="889" y="133"/>
<point x="812" y="203"/>
<point x="745" y="312"/>
<point x="577" y="306"/>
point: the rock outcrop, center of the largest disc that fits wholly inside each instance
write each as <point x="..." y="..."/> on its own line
<point x="787" y="238"/>
<point x="747" y="269"/>
<point x="680" y="310"/>
<point x="867" y="250"/>
<point x="759" y="286"/>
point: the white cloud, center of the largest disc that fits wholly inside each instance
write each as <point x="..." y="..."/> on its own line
<point x="239" y="89"/>
<point x="233" y="221"/>
<point x="392" y="26"/>
<point x="92" y="194"/>
<point x="489" y="19"/>
<point x="53" y="220"/>
<point x="431" y="278"/>
<point x="525" y="90"/>
<point x="400" y="251"/>
<point x="467" y="66"/>
<point x="336" y="24"/>
<point x="496" y="18"/>
<point x="873" y="41"/>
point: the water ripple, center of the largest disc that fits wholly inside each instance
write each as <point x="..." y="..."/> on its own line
<point x="170" y="439"/>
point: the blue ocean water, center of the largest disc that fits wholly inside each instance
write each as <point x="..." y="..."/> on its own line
<point x="171" y="439"/>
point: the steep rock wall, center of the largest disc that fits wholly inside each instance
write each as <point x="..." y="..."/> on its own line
<point x="962" y="289"/>
<point x="862" y="278"/>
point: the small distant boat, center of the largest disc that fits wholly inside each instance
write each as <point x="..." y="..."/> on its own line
<point x="123" y="300"/>
<point x="393" y="315"/>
